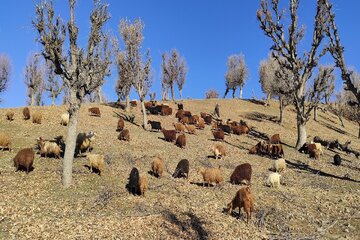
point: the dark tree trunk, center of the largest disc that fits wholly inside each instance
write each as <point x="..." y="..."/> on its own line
<point x="172" y="92"/>
<point x="359" y="130"/>
<point x="233" y="92"/>
<point x="315" y="113"/>
<point x="281" y="103"/>
<point x="226" y="92"/>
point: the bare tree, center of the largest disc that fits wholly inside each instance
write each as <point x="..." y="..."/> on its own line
<point x="53" y="84"/>
<point x="236" y="74"/>
<point x="211" y="93"/>
<point x="276" y="82"/>
<point x="5" y="72"/>
<point x="321" y="84"/>
<point x="286" y="51"/>
<point x="131" y="64"/>
<point x="183" y="71"/>
<point x="34" y="80"/>
<point x="174" y="70"/>
<point x="80" y="68"/>
<point x="350" y="80"/>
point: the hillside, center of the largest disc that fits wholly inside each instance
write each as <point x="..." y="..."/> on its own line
<point x="316" y="201"/>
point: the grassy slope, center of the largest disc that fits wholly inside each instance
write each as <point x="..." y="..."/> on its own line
<point x="309" y="204"/>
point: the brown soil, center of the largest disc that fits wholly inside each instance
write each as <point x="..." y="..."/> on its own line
<point x="316" y="200"/>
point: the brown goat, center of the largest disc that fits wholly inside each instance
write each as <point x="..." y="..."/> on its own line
<point x="219" y="150"/>
<point x="275" y="139"/>
<point x="241" y="174"/>
<point x="10" y="116"/>
<point x="184" y="120"/>
<point x="211" y="175"/>
<point x="26" y="113"/>
<point x="181" y="141"/>
<point x="5" y="142"/>
<point x="94" y="111"/>
<point x="244" y="198"/>
<point x="218" y="135"/>
<point x="120" y="125"/>
<point x="179" y="127"/>
<point x="143" y="184"/>
<point x="36" y="118"/>
<point x="314" y="153"/>
<point x="24" y="159"/>
<point x="201" y="123"/>
<point x="169" y="135"/>
<point x="124" y="135"/>
<point x="208" y="119"/>
<point x="157" y="166"/>
<point x="166" y="110"/>
<point x="190" y="129"/>
<point x="133" y="103"/>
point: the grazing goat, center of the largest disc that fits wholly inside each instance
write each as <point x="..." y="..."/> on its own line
<point x="273" y="180"/>
<point x="94" y="111"/>
<point x="225" y="128"/>
<point x="166" y="110"/>
<point x="244" y="198"/>
<point x="24" y="159"/>
<point x="120" y="125"/>
<point x="314" y="153"/>
<point x="238" y="130"/>
<point x="337" y="160"/>
<point x="181" y="141"/>
<point x="257" y="149"/>
<point x="36" y="118"/>
<point x="275" y="150"/>
<point x="83" y="142"/>
<point x="193" y="120"/>
<point x="241" y="174"/>
<point x="157" y="167"/>
<point x="124" y="135"/>
<point x="97" y="161"/>
<point x="64" y="119"/>
<point x="5" y="142"/>
<point x="218" y="135"/>
<point x="191" y="129"/>
<point x="179" y="127"/>
<point x="48" y="147"/>
<point x="279" y="165"/>
<point x="200" y="124"/>
<point x="182" y="169"/>
<point x="219" y="150"/>
<point x="169" y="135"/>
<point x="180" y="106"/>
<point x="133" y="103"/>
<point x="155" y="125"/>
<point x="134" y="179"/>
<point x="275" y="139"/>
<point x="208" y="119"/>
<point x="26" y="113"/>
<point x="184" y="120"/>
<point x="143" y="185"/>
<point x="211" y="175"/>
<point x="10" y="116"/>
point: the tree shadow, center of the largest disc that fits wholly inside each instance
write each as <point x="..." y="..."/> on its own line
<point x="259" y="135"/>
<point x="195" y="224"/>
<point x="255" y="101"/>
<point x="259" y="117"/>
<point x="331" y="127"/>
<point x="115" y="105"/>
<point x="328" y="119"/>
<point x="307" y="168"/>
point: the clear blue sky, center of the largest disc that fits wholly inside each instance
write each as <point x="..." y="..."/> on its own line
<point x="205" y="32"/>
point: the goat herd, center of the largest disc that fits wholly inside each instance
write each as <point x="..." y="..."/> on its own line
<point x="187" y="123"/>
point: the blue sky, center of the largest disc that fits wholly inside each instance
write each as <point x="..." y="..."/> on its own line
<point x="205" y="32"/>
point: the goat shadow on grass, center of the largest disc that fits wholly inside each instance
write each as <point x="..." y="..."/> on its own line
<point x="202" y="184"/>
<point x="233" y="213"/>
<point x="307" y="168"/>
<point x="151" y="173"/>
<point x="94" y="170"/>
<point x="23" y="169"/>
<point x="196" y="224"/>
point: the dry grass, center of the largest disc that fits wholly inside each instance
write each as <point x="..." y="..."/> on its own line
<point x="318" y="201"/>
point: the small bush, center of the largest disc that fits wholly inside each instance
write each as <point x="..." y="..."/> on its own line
<point x="211" y="93"/>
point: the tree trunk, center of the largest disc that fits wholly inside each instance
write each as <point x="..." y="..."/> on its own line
<point x="226" y="92"/>
<point x="341" y="121"/>
<point x="233" y="92"/>
<point x="315" y="113"/>
<point x="70" y="142"/>
<point x="144" y="114"/>
<point x="32" y="99"/>
<point x="301" y="128"/>
<point x="127" y="104"/>
<point x="359" y="130"/>
<point x="180" y="91"/>
<point x="52" y="100"/>
<point x="241" y="92"/>
<point x="281" y="104"/>
<point x="172" y="92"/>
<point x="98" y="92"/>
<point x="268" y="97"/>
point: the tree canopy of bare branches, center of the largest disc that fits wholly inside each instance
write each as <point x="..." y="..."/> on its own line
<point x="236" y="74"/>
<point x="174" y="70"/>
<point x="131" y="67"/>
<point x="53" y="84"/>
<point x="5" y="72"/>
<point x="34" y="79"/>
<point x="286" y="50"/>
<point x="81" y="69"/>
<point x="211" y="93"/>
